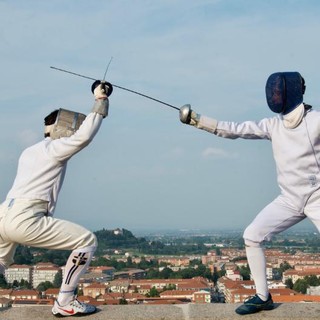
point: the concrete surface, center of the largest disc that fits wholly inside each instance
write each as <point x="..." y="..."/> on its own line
<point x="286" y="311"/>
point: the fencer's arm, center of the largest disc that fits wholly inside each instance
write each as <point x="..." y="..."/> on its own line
<point x="227" y="129"/>
<point x="64" y="148"/>
<point x="188" y="116"/>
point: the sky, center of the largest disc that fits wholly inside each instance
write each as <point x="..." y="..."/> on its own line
<point x="145" y="170"/>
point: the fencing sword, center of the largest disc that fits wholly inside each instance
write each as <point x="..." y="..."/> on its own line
<point x="114" y="85"/>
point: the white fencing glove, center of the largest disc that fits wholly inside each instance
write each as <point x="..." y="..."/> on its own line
<point x="188" y="116"/>
<point x="101" y="105"/>
<point x="99" y="92"/>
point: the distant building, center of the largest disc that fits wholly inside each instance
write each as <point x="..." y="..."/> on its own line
<point x="274" y="284"/>
<point x="294" y="275"/>
<point x="242" y="263"/>
<point x="241" y="295"/>
<point x="52" y="293"/>
<point x="230" y="266"/>
<point x="5" y="303"/>
<point x="238" y="291"/>
<point x="234" y="275"/>
<point x="106" y="272"/>
<point x="6" y="293"/>
<point x="30" y="294"/>
<point x="99" y="274"/>
<point x="173" y="268"/>
<point x="43" y="272"/>
<point x="130" y="274"/>
<point x="94" y="290"/>
<point x="195" y="284"/>
<point x="313" y="290"/>
<point x="18" y="272"/>
<point x="209" y="259"/>
<point x="119" y="285"/>
<point x="175" y="261"/>
<point x="177" y="294"/>
<point x="232" y="253"/>
<point x="118" y="232"/>
<point x="269" y="271"/>
<point x="113" y="298"/>
<point x="201" y="297"/>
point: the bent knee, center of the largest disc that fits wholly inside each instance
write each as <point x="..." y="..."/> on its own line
<point x="88" y="240"/>
<point x="252" y="237"/>
<point x="249" y="243"/>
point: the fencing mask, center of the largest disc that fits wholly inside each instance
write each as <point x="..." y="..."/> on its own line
<point x="66" y="124"/>
<point x="284" y="91"/>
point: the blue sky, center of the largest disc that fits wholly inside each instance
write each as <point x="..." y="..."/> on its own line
<point x="145" y="169"/>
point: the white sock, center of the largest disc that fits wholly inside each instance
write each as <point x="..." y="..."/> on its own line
<point x="76" y="266"/>
<point x="257" y="264"/>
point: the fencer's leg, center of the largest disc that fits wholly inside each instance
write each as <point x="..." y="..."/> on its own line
<point x="273" y="219"/>
<point x="77" y="264"/>
<point x="63" y="235"/>
<point x="7" y="251"/>
<point x="257" y="263"/>
<point x="312" y="209"/>
<point x="7" y="246"/>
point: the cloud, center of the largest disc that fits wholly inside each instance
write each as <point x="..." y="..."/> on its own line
<point x="174" y="153"/>
<point x="216" y="153"/>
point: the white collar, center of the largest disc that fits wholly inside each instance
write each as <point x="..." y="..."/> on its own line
<point x="293" y="118"/>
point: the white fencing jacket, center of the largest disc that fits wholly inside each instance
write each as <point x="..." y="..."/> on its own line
<point x="296" y="151"/>
<point x="42" y="167"/>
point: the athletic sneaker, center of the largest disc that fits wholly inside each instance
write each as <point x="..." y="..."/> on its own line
<point x="255" y="304"/>
<point x="75" y="307"/>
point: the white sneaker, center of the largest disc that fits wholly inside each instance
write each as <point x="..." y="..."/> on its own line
<point x="75" y="307"/>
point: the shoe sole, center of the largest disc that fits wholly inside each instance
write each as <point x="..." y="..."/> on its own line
<point x="59" y="315"/>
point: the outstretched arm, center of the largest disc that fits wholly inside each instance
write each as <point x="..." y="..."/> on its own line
<point x="226" y="129"/>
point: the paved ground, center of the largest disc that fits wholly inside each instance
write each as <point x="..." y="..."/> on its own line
<point x="289" y="311"/>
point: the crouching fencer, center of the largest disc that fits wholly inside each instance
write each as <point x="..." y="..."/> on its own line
<point x="294" y="134"/>
<point x="26" y="216"/>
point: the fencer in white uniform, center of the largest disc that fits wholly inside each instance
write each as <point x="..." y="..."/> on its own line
<point x="294" y="134"/>
<point x="26" y="216"/>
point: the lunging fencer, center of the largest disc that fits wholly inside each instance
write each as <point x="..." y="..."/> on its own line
<point x="26" y="216"/>
<point x="294" y="135"/>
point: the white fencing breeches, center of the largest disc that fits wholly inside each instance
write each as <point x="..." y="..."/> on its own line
<point x="26" y="222"/>
<point x="276" y="217"/>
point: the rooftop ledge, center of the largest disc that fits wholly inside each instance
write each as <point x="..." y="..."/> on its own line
<point x="190" y="311"/>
